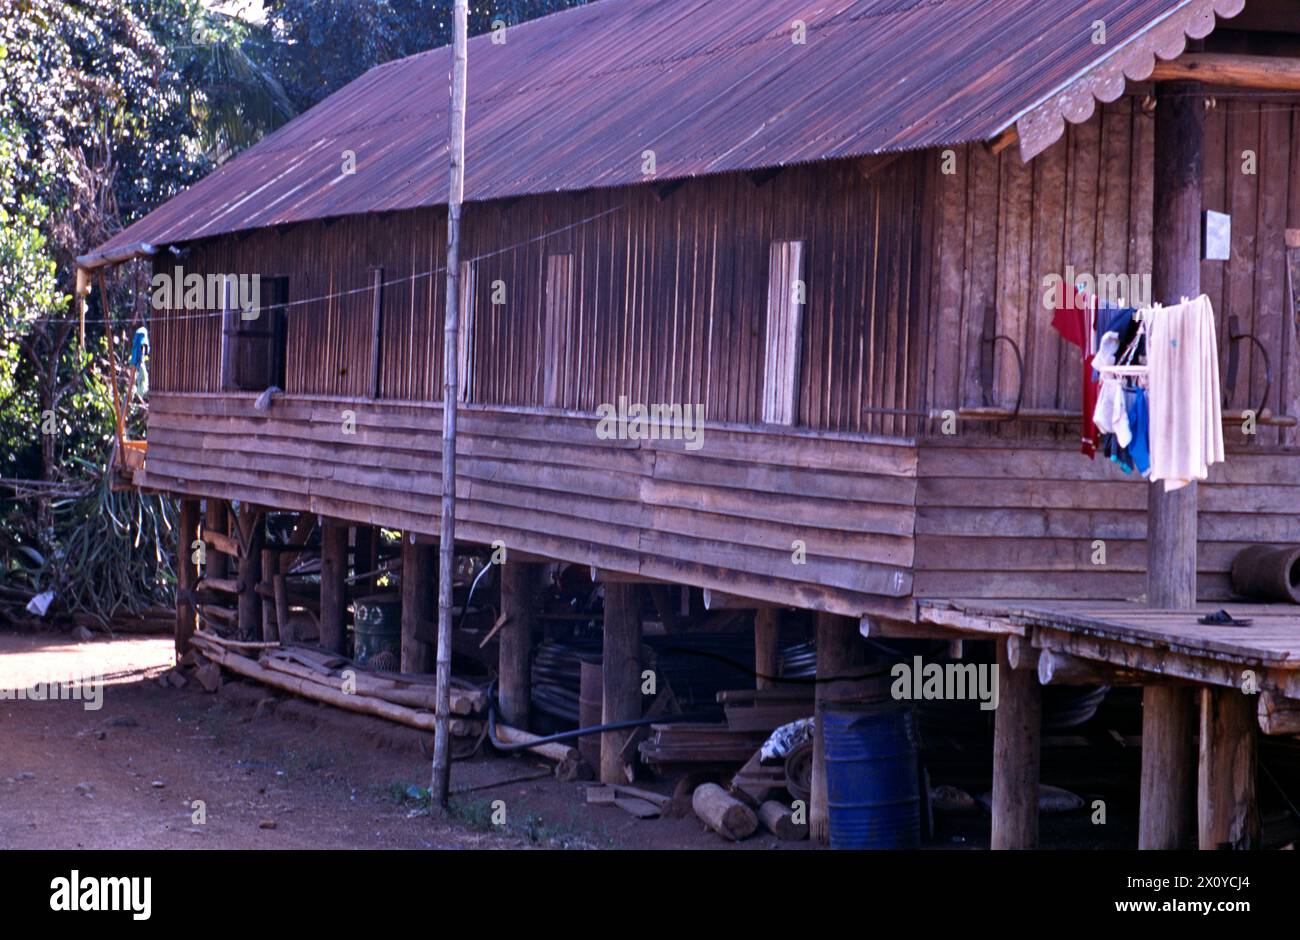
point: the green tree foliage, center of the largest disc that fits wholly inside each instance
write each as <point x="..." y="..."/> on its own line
<point x="321" y="45"/>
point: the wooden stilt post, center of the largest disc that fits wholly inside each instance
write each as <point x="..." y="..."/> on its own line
<point x="767" y="653"/>
<point x="214" y="520"/>
<point x="440" y="788"/>
<point x="270" y="567"/>
<point x="365" y="558"/>
<point x="1169" y="714"/>
<point x="840" y="653"/>
<point x="620" y="673"/>
<point x="418" y="603"/>
<point x="1168" y="758"/>
<point x="1017" y="728"/>
<point x="186" y="574"/>
<point x="333" y="587"/>
<point x="250" y="573"/>
<point x="1227" y="815"/>
<point x="518" y="599"/>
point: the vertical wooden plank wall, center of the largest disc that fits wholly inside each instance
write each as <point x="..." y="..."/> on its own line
<point x="666" y="298"/>
<point x="1086" y="202"/>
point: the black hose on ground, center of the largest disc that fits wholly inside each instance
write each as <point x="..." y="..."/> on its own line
<point x="579" y="732"/>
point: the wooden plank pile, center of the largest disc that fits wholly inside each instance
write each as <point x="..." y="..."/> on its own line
<point x="751" y="716"/>
<point x="325" y="677"/>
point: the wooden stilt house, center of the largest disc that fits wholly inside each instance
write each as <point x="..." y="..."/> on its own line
<point x="829" y="228"/>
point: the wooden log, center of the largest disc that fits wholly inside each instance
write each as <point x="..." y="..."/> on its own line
<point x="1165" y="816"/>
<point x="1021" y="655"/>
<point x="224" y="546"/>
<point x="718" y="600"/>
<point x="569" y="765"/>
<point x="1227" y="814"/>
<point x="1273" y="73"/>
<point x="220" y="614"/>
<point x="270" y="569"/>
<point x="309" y="688"/>
<point x="767" y="647"/>
<point x="419" y="599"/>
<point x="518" y="601"/>
<point x="333" y="588"/>
<point x="250" y="574"/>
<point x="187" y="574"/>
<point x="1176" y="273"/>
<point x="214" y="533"/>
<point x="779" y="820"/>
<point x="840" y="652"/>
<point x="723" y="813"/>
<point x="1056" y="668"/>
<point x="423" y="697"/>
<point x="1278" y="714"/>
<point x="1016" y="732"/>
<point x="224" y="585"/>
<point x="620" y="674"/>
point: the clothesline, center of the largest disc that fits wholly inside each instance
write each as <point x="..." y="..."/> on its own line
<point x="369" y="287"/>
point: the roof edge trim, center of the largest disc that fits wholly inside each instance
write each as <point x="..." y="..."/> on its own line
<point x="1044" y="123"/>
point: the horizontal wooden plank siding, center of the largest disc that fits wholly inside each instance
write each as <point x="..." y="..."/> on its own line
<point x="730" y="515"/>
<point x="1023" y="521"/>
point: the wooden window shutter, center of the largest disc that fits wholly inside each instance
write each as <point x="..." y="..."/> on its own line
<point x="229" y="346"/>
<point x="784" y="332"/>
<point x="557" y="336"/>
<point x="465" y="333"/>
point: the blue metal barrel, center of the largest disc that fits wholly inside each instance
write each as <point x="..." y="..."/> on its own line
<point x="871" y="776"/>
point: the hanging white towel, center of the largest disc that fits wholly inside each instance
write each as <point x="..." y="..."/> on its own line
<point x="1183" y="392"/>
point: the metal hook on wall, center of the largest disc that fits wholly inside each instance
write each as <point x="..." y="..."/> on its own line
<point x="987" y="344"/>
<point x="1235" y="335"/>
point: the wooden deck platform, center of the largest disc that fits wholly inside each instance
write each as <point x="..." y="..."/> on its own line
<point x="1171" y="644"/>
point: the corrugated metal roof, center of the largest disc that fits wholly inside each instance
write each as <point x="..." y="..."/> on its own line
<point x="571" y="101"/>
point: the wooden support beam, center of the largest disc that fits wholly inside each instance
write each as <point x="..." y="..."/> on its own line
<point x="620" y="674"/>
<point x="270" y="568"/>
<point x="1271" y="73"/>
<point x="876" y="627"/>
<point x="1176" y="273"/>
<point x="1007" y="139"/>
<point x="519" y="581"/>
<point x="419" y="604"/>
<point x="606" y="576"/>
<point x="1278" y="714"/>
<point x="1165" y="817"/>
<point x="1227" y="815"/>
<point x="215" y="534"/>
<point x="1020" y="655"/>
<point x="873" y="164"/>
<point x="767" y="647"/>
<point x="840" y="652"/>
<point x="717" y="600"/>
<point x="333" y="586"/>
<point x="186" y="574"/>
<point x="250" y="575"/>
<point x="1017" y="730"/>
<point x="1063" y="669"/>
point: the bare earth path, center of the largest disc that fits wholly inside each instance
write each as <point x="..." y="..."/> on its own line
<point x="285" y="774"/>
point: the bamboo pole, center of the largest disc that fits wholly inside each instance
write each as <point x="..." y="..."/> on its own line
<point x="441" y="786"/>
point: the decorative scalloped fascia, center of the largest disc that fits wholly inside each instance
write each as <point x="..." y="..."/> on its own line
<point x="1042" y="125"/>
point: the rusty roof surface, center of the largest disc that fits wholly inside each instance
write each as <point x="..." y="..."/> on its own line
<point x="572" y="100"/>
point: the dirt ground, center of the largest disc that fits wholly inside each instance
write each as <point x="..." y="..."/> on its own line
<point x="271" y="771"/>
